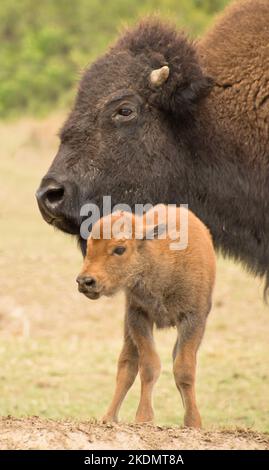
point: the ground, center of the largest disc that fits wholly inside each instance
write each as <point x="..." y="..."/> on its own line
<point x="37" y="433"/>
<point x="58" y="350"/>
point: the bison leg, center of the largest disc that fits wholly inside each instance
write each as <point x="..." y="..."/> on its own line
<point x="127" y="372"/>
<point x="149" y="362"/>
<point x="190" y="335"/>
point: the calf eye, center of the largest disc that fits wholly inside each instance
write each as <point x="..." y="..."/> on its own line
<point x="125" y="112"/>
<point x="119" y="250"/>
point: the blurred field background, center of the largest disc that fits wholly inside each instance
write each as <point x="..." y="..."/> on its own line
<point x="58" y="350"/>
<point x="44" y="45"/>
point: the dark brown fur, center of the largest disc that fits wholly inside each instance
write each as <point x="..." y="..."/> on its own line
<point x="163" y="287"/>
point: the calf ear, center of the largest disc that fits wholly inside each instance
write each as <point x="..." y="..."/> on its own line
<point x="155" y="232"/>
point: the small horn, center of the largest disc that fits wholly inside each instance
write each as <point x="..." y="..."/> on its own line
<point x="159" y="76"/>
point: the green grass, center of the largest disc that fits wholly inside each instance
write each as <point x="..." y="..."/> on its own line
<point x="58" y="350"/>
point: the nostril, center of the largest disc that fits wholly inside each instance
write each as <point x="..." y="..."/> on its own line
<point x="50" y="195"/>
<point x="86" y="282"/>
<point x="89" y="282"/>
<point x="54" y="195"/>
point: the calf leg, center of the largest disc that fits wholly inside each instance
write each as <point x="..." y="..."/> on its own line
<point x="127" y="372"/>
<point x="149" y="363"/>
<point x="190" y="335"/>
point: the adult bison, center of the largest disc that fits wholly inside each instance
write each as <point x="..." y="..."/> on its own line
<point x="160" y="119"/>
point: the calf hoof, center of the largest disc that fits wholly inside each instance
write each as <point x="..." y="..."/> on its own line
<point x="144" y="418"/>
<point x="109" y="419"/>
<point x="193" y="421"/>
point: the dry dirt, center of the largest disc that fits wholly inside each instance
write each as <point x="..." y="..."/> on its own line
<point x="37" y="433"/>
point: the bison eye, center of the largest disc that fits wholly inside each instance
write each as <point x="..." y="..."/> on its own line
<point x="125" y="112"/>
<point x="119" y="250"/>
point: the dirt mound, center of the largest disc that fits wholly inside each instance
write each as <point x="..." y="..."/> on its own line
<point x="37" y="433"/>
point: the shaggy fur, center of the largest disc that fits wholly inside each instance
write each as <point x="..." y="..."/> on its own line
<point x="201" y="138"/>
<point x="164" y="287"/>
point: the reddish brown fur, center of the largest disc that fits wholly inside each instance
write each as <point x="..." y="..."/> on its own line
<point x="236" y="52"/>
<point x="163" y="287"/>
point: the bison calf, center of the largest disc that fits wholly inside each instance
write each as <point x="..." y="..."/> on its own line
<point x="164" y="287"/>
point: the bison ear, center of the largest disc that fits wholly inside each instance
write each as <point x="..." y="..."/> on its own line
<point x="190" y="95"/>
<point x="179" y="89"/>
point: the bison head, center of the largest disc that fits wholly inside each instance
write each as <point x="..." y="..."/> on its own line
<point x="126" y="134"/>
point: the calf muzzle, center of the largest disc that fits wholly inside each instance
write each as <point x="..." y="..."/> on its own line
<point x="87" y="285"/>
